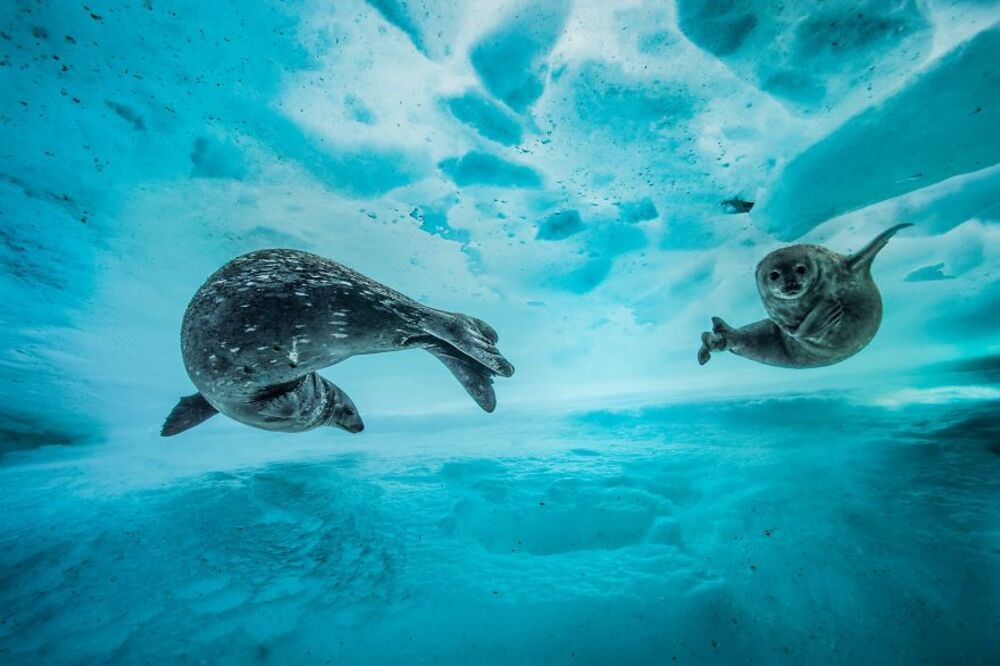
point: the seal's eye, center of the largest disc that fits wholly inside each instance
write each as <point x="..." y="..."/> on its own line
<point x="774" y="275"/>
<point x="800" y="269"/>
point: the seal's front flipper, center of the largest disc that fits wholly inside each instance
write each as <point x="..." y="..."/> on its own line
<point x="704" y="352"/>
<point x="711" y="342"/>
<point x="474" y="376"/>
<point x="307" y="403"/>
<point x="863" y="258"/>
<point x="761" y="341"/>
<point x="472" y="337"/>
<point x="820" y="320"/>
<point x="189" y="412"/>
<point x="721" y="328"/>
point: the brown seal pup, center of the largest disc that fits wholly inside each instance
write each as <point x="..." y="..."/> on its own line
<point x="822" y="308"/>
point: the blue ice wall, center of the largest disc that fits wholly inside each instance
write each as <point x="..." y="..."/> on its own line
<point x="594" y="179"/>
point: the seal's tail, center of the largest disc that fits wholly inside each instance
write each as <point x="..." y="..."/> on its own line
<point x="467" y="346"/>
<point x="473" y="337"/>
<point x="863" y="258"/>
<point x="475" y="377"/>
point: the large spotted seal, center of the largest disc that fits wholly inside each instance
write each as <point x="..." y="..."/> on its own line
<point x="260" y="327"/>
<point x="823" y="307"/>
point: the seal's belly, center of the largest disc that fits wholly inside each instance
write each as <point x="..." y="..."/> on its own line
<point x="855" y="330"/>
<point x="811" y="355"/>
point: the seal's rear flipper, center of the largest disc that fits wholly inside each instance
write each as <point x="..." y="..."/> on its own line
<point x="472" y="337"/>
<point x="863" y="258"/>
<point x="475" y="377"/>
<point x="189" y="412"/>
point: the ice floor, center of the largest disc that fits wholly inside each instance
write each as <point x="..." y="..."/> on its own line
<point x="694" y="533"/>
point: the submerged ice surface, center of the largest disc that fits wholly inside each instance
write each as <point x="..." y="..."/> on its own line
<point x="595" y="180"/>
<point x="680" y="533"/>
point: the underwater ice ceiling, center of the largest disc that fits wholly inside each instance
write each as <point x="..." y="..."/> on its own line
<point x="595" y="179"/>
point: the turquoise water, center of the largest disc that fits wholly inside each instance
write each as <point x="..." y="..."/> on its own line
<point x="595" y="180"/>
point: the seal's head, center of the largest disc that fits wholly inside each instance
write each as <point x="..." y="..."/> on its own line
<point x="341" y="412"/>
<point x="788" y="273"/>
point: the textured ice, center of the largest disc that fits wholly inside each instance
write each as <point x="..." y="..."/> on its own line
<point x="559" y="226"/>
<point x="595" y="180"/>
<point x="486" y="117"/>
<point x="478" y="168"/>
<point x="511" y="58"/>
<point x="943" y="124"/>
<point x="679" y="532"/>
<point x="826" y="53"/>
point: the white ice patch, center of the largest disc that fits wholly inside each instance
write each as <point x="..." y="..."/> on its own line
<point x="939" y="395"/>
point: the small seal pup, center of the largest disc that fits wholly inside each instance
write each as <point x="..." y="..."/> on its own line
<point x="260" y="327"/>
<point x="823" y="307"/>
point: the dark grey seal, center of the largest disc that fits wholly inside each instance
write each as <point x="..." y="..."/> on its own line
<point x="823" y="307"/>
<point x="260" y="327"/>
